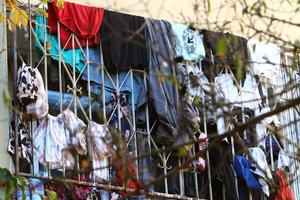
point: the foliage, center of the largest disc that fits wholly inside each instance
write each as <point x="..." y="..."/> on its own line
<point x="6" y="98"/>
<point x="18" y="16"/>
<point x="221" y="47"/>
<point x="1" y="17"/>
<point x="60" y="3"/>
<point x="51" y="195"/>
<point x="11" y="182"/>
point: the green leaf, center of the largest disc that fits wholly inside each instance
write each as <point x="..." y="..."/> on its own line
<point x="242" y="28"/>
<point x="221" y="47"/>
<point x="6" y="98"/>
<point x="23" y="18"/>
<point x="297" y="44"/>
<point x="51" y="195"/>
<point x="208" y="6"/>
<point x="1" y="17"/>
<point x="161" y="76"/>
<point x="197" y="100"/>
<point x="226" y="23"/>
<point x="264" y="6"/>
<point x="10" y="187"/>
<point x="14" y="16"/>
<point x="44" y="1"/>
<point x="254" y="47"/>
<point x="43" y="12"/>
<point x="234" y="7"/>
<point x="253" y="7"/>
<point x="23" y="192"/>
<point x="196" y="7"/>
<point x="11" y="25"/>
<point x="294" y="65"/>
<point x="21" y="181"/>
<point x="4" y="175"/>
<point x="238" y="66"/>
<point x="60" y="4"/>
<point x="13" y="2"/>
<point x="172" y="79"/>
<point x="182" y="152"/>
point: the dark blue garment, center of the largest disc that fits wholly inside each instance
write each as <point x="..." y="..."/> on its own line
<point x="162" y="92"/>
<point x="242" y="169"/>
<point x="123" y="41"/>
<point x="67" y="98"/>
<point x="275" y="148"/>
<point x="124" y="117"/>
<point x="111" y="81"/>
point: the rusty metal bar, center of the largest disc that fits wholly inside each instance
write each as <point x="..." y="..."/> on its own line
<point x="110" y="187"/>
<point x="15" y="67"/>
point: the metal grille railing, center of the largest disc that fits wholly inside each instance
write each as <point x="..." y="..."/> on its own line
<point x="69" y="97"/>
<point x="290" y="119"/>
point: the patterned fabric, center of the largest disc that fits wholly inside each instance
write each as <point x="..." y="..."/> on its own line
<point x="30" y="91"/>
<point x="81" y="192"/>
<point x="24" y="141"/>
<point x="98" y="139"/>
<point x="27" y="84"/>
<point x="74" y="128"/>
<point x="35" y="190"/>
<point x="48" y="142"/>
<point x="203" y="143"/>
<point x="56" y="133"/>
<point x="60" y="189"/>
<point x="189" y="43"/>
<point x="189" y="74"/>
<point x="260" y="168"/>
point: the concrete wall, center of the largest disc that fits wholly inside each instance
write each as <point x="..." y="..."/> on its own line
<point x="5" y="160"/>
<point x="221" y="11"/>
<point x="4" y="113"/>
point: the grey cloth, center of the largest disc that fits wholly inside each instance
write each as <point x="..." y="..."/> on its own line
<point x="163" y="94"/>
<point x="188" y="123"/>
<point x="172" y="108"/>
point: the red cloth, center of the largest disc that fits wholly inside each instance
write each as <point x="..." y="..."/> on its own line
<point x="283" y="191"/>
<point x="130" y="182"/>
<point x="83" y="21"/>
